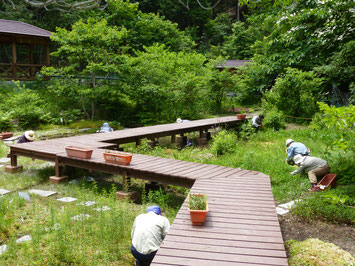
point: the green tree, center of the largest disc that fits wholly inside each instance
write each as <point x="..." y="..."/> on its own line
<point x="295" y="93"/>
<point x="89" y="50"/>
<point x="146" y="29"/>
<point x="166" y="85"/>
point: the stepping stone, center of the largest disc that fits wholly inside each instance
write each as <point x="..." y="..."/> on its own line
<point x="67" y="199"/>
<point x="24" y="195"/>
<point x="281" y="211"/>
<point x="288" y="205"/>
<point x="87" y="203"/>
<point x="80" y="217"/>
<point x="13" y="138"/>
<point x="103" y="208"/>
<point x="42" y="193"/>
<point x="3" y="248"/>
<point x="4" y="191"/>
<point x="24" y="239"/>
<point x="5" y="160"/>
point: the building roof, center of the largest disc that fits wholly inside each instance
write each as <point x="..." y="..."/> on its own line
<point x="232" y="63"/>
<point x="18" y="27"/>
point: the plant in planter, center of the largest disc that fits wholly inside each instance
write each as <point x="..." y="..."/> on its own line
<point x="198" y="208"/>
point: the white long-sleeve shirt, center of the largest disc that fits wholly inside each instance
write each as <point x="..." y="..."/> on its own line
<point x="148" y="232"/>
<point x="256" y="121"/>
<point x="309" y="163"/>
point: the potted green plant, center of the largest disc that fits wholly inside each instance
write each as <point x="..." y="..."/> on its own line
<point x="198" y="208"/>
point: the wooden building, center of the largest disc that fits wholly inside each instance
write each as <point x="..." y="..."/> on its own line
<point x="232" y="64"/>
<point x="24" y="50"/>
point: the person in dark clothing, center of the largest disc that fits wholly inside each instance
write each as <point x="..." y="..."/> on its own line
<point x="29" y="136"/>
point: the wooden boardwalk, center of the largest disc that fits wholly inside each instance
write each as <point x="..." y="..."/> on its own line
<point x="242" y="226"/>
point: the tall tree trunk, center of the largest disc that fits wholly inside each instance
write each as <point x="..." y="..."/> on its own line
<point x="83" y="100"/>
<point x="93" y="86"/>
<point x="237" y="10"/>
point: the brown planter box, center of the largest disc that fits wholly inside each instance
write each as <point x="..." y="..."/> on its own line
<point x="78" y="152"/>
<point x="118" y="157"/>
<point x="5" y="135"/>
<point x="241" y="116"/>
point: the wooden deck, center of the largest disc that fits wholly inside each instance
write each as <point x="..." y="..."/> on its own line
<point x="242" y="226"/>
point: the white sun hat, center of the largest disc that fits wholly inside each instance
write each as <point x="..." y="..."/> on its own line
<point x="289" y="141"/>
<point x="298" y="158"/>
<point x="30" y="135"/>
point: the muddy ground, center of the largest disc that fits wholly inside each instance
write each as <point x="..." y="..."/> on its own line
<point x="341" y="235"/>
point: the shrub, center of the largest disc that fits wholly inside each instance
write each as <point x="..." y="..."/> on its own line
<point x="316" y="207"/>
<point x="224" y="142"/>
<point x="295" y="93"/>
<point x="317" y="252"/>
<point x="26" y="107"/>
<point x="274" y="119"/>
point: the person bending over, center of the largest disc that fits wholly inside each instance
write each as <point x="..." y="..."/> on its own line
<point x="148" y="232"/>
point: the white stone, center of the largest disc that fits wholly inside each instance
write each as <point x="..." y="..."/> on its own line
<point x="5" y="160"/>
<point x="3" y="248"/>
<point x="288" y="205"/>
<point x="80" y="217"/>
<point x="103" y="208"/>
<point x="42" y="193"/>
<point x="87" y="203"/>
<point x="281" y="211"/>
<point x="4" y="191"/>
<point x="89" y="179"/>
<point x="24" y="239"/>
<point x="24" y="195"/>
<point x="67" y="199"/>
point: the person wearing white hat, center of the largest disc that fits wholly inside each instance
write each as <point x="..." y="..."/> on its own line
<point x="316" y="167"/>
<point x="148" y="232"/>
<point x="29" y="136"/>
<point x="294" y="148"/>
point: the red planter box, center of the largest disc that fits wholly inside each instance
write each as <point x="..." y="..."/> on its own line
<point x="78" y="152"/>
<point x="327" y="181"/>
<point x="5" y="135"/>
<point x="118" y="157"/>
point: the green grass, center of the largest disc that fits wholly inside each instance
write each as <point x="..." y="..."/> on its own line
<point x="104" y="237"/>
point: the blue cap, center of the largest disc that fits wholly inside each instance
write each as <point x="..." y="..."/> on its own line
<point x="105" y="124"/>
<point x="155" y="209"/>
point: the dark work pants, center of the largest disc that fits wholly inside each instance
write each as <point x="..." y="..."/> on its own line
<point x="143" y="259"/>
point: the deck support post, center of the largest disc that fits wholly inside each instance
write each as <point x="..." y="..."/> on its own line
<point x="58" y="168"/>
<point x="125" y="193"/>
<point x="58" y="178"/>
<point x="126" y="181"/>
<point x="173" y="138"/>
<point x="13" y="168"/>
<point x="13" y="159"/>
